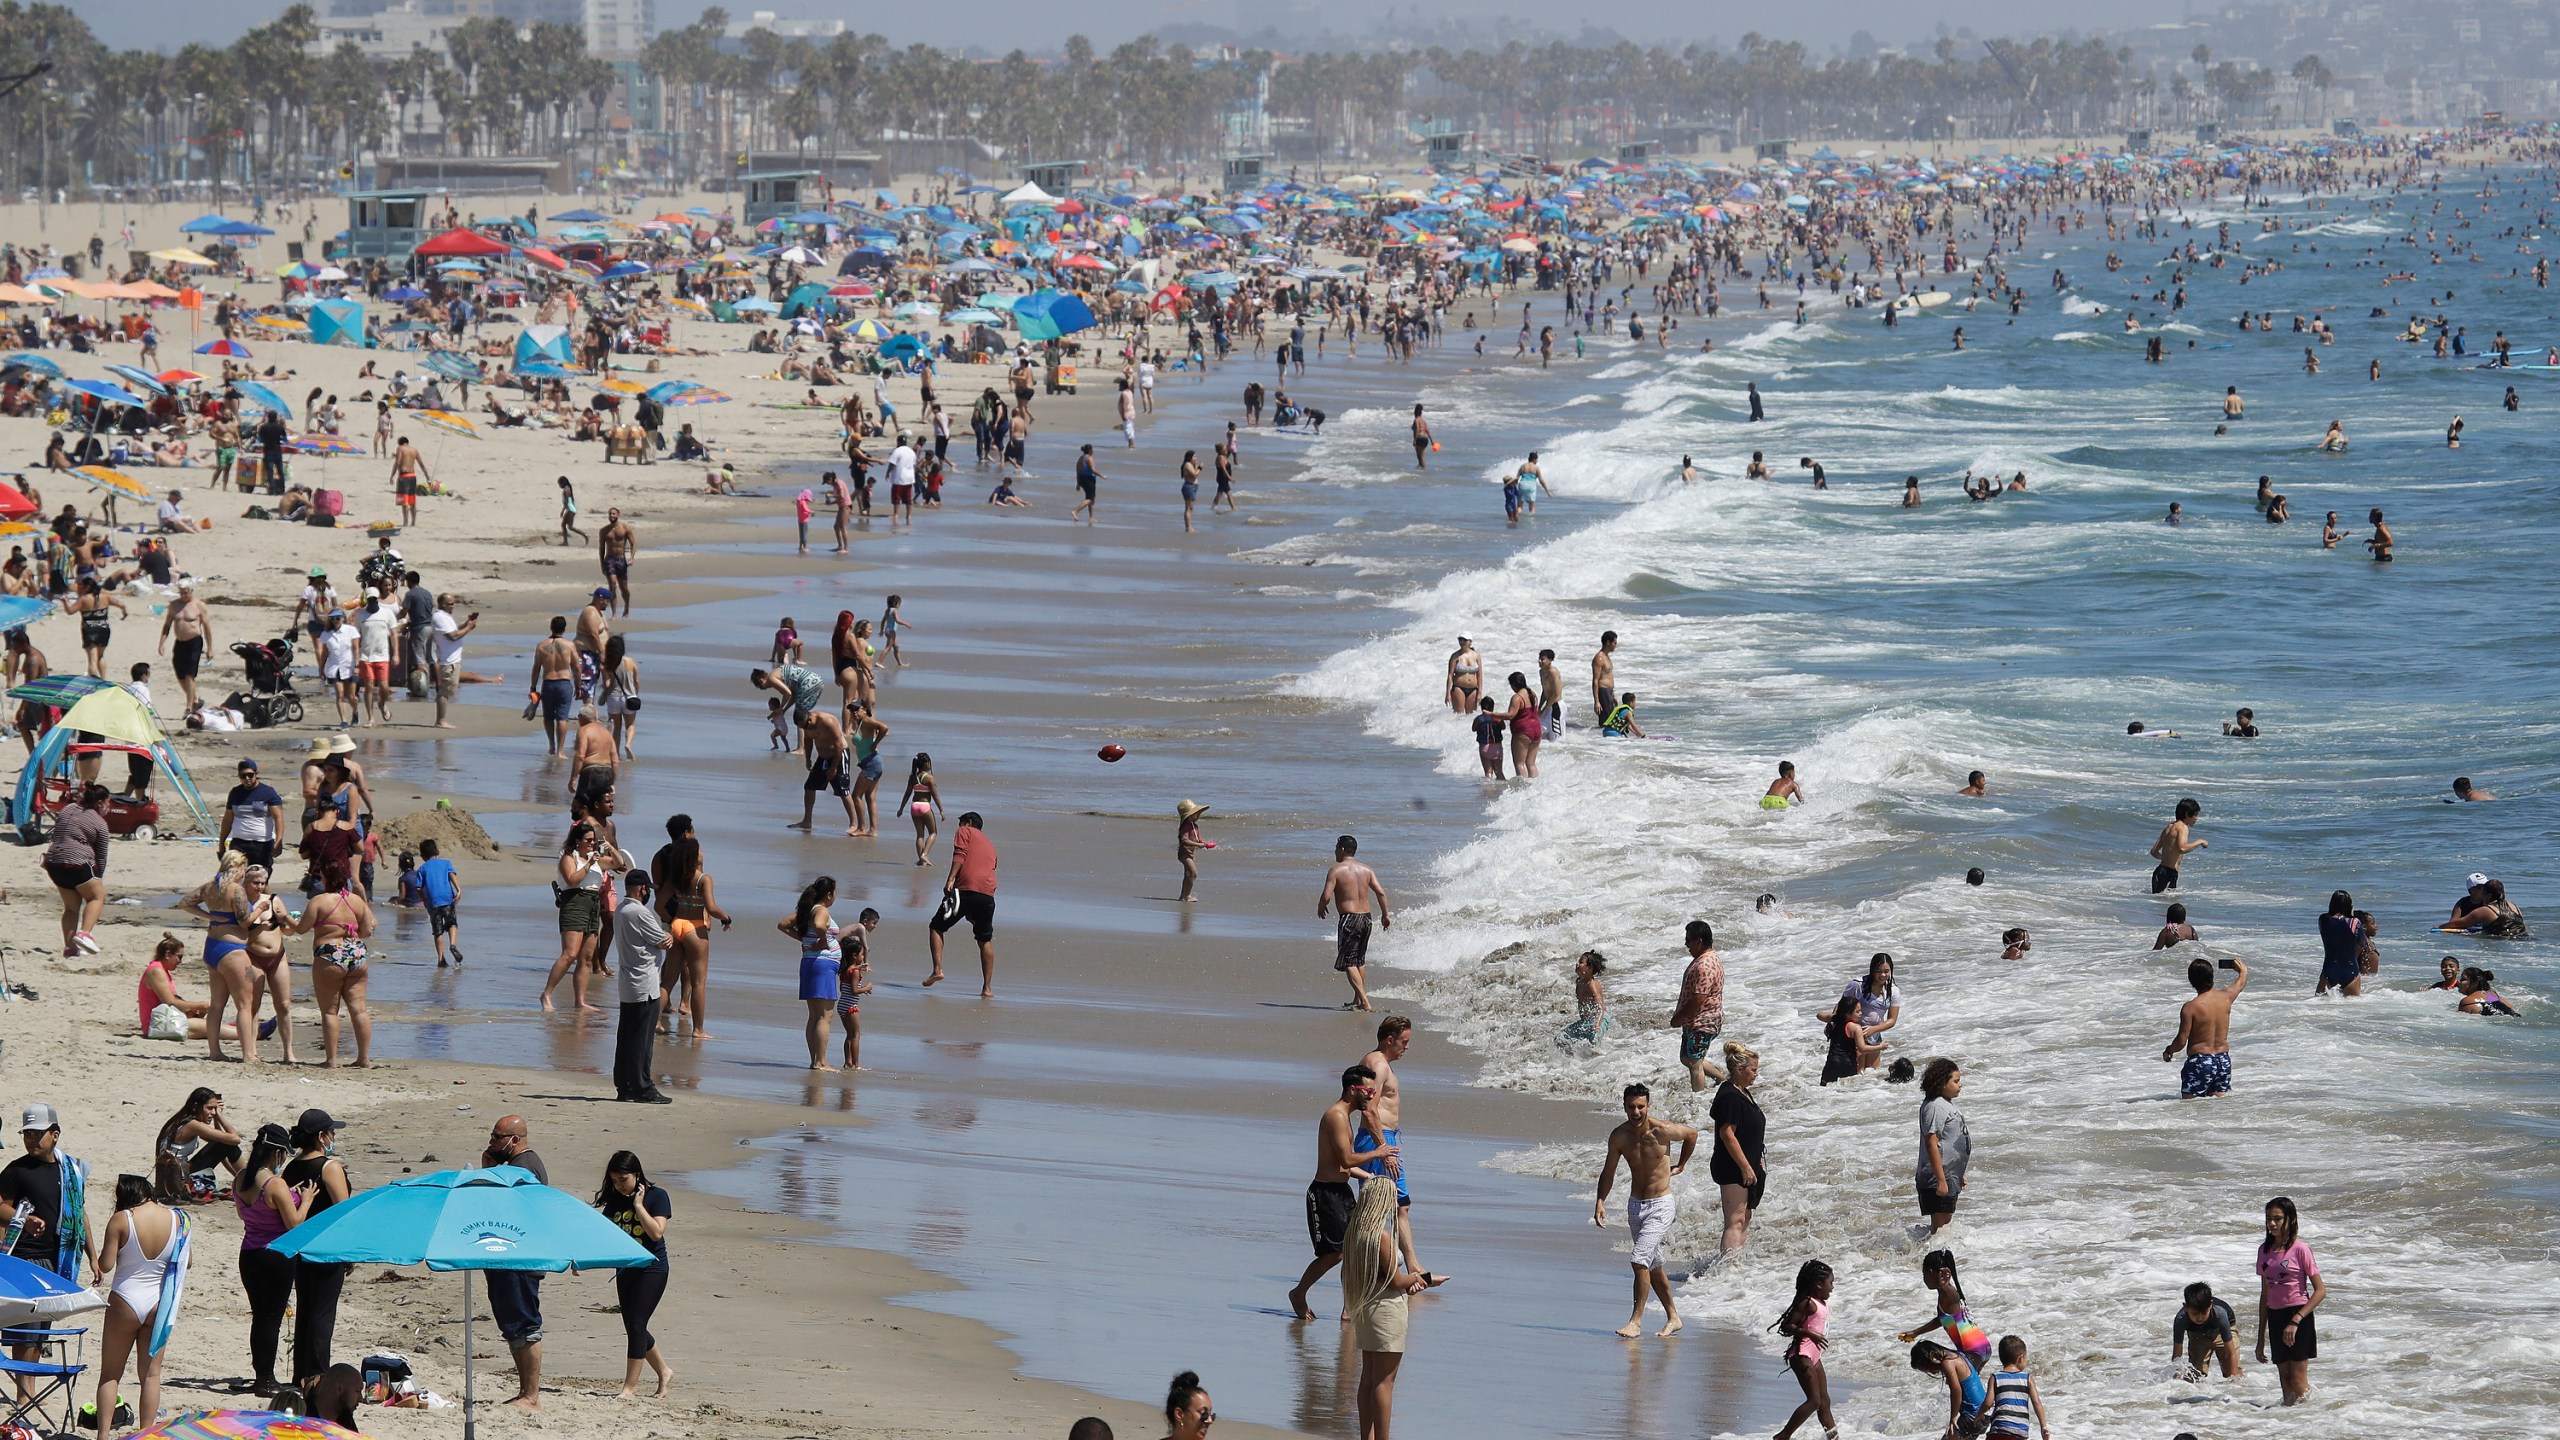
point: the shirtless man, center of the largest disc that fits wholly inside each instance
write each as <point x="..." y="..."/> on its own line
<point x="188" y="623"/>
<point x="2204" y="1029"/>
<point x="615" y="547"/>
<point x="1348" y="887"/>
<point x="1604" y="676"/>
<point x="1421" y="439"/>
<point x="555" y="682"/>
<point x="224" y="432"/>
<point x="408" y="468"/>
<point x="823" y="735"/>
<point x="1382" y="1127"/>
<point x="1329" y="1197"/>
<point x="1550" y="695"/>
<point x="1975" y="785"/>
<point x="595" y="628"/>
<point x="595" y="764"/>
<point x="1644" y="1143"/>
<point x="2175" y="844"/>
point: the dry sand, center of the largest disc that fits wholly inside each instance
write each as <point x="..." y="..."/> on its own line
<point x="764" y="1340"/>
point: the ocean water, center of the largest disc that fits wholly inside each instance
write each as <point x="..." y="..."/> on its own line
<point x="1887" y="652"/>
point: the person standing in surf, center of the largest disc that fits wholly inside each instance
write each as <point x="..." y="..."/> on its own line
<point x="2204" y="1029"/>
<point x="2177" y="841"/>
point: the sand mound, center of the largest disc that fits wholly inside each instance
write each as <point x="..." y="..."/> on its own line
<point x="455" y="832"/>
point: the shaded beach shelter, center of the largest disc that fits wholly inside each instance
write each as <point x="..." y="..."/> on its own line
<point x="110" y="711"/>
<point x="337" y="322"/>
<point x="231" y="348"/>
<point x="461" y="243"/>
<point x="27" y="362"/>
<point x="256" y="396"/>
<point x="544" y="342"/>
<point x="30" y="1294"/>
<point x="466" y="1220"/>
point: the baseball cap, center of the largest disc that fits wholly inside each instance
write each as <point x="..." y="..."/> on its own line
<point x="2478" y="879"/>
<point x="312" y="1122"/>
<point x="248" y="764"/>
<point x="40" y="1118"/>
<point x="601" y="592"/>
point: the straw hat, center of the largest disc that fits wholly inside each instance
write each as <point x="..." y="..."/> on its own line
<point x="1189" y="810"/>
<point x="319" y="750"/>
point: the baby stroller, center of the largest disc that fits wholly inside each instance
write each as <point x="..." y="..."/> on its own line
<point x="271" y="699"/>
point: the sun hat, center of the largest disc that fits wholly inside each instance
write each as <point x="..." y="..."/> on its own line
<point x="1190" y="810"/>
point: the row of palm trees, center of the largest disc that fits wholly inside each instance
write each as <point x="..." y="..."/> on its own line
<point x="274" y="107"/>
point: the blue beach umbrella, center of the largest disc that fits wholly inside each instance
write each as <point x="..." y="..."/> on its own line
<point x="1049" y="314"/>
<point x="495" y="1219"/>
<point x="101" y="390"/>
<point x="30" y="361"/>
<point x="28" y="1291"/>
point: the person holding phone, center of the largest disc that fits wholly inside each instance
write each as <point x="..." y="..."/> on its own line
<point x="2204" y="1029"/>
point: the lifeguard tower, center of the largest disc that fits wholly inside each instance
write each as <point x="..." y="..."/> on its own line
<point x="1055" y="176"/>
<point x="1245" y="172"/>
<point x="778" y="194"/>
<point x="389" y="224"/>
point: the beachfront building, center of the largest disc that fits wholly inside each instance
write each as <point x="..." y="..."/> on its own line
<point x="1055" y="176"/>
<point x="1245" y="172"/>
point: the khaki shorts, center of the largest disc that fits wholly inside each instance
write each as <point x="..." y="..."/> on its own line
<point x="448" y="680"/>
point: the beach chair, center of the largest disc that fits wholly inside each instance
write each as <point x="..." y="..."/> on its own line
<point x="52" y="1402"/>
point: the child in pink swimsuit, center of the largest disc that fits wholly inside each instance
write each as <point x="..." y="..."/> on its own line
<point x="1804" y="1324"/>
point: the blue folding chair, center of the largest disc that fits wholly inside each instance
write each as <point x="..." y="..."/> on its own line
<point x="45" y="1397"/>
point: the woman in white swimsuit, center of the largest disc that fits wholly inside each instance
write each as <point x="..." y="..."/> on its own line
<point x="143" y="1237"/>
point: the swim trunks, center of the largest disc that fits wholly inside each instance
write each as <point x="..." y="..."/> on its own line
<point x="617" y="567"/>
<point x="187" y="656"/>
<point x="1773" y="802"/>
<point x="2205" y="1075"/>
<point x="559" y="699"/>
<point x="1351" y="940"/>
<point x="1362" y="1142"/>
<point x="827" y="772"/>
<point x="2163" y="877"/>
<point x="1696" y="1045"/>
<point x="1649" y="1222"/>
<point x="974" y="906"/>
<point x="1329" y="1206"/>
<point x="440" y="919"/>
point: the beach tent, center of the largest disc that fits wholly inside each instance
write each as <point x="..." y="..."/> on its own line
<point x="1029" y="194"/>
<point x="114" y="714"/>
<point x="337" y="322"/>
<point x="544" y="342"/>
<point x="809" y="299"/>
<point x="461" y="242"/>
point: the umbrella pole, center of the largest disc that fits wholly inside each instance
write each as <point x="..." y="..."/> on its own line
<point x="470" y="1425"/>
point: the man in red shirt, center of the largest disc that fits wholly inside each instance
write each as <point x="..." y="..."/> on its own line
<point x="969" y="893"/>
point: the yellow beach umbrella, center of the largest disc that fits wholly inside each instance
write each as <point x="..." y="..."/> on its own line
<point x="284" y="323"/>
<point x="447" y="420"/>
<point x="114" y="482"/>
<point x="181" y="256"/>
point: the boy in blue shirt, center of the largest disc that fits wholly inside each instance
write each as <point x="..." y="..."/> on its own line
<point x="441" y="889"/>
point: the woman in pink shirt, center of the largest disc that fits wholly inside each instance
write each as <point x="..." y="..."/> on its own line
<point x="2289" y="1289"/>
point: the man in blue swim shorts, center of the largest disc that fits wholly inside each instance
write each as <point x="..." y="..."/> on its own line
<point x="1380" y="1124"/>
<point x="2204" y="1029"/>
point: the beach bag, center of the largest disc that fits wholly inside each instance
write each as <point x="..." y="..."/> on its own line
<point x="168" y="1022"/>
<point x="386" y="1375"/>
<point x="332" y="503"/>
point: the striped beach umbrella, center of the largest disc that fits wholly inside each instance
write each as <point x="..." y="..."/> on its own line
<point x="114" y="482"/>
<point x="448" y="421"/>
<point x="231" y="348"/>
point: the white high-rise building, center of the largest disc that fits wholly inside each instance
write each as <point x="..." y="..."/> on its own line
<point x="620" y="29"/>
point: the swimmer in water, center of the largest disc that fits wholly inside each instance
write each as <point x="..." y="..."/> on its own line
<point x="2464" y="790"/>
<point x="2330" y="534"/>
<point x="2380" y="544"/>
<point x="2244" y="727"/>
<point x="1783" y="791"/>
<point x="2336" y="439"/>
<point x="1688" y="471"/>
<point x="1619" y="721"/>
<point x="2177" y="514"/>
<point x="1973" y="785"/>
<point x="1911" y="493"/>
<point x="1821" y="481"/>
<point x="2453" y="434"/>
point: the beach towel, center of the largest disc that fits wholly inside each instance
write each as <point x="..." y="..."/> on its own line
<point x="173" y="1287"/>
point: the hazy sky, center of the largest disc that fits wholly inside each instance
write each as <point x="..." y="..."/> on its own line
<point x="1001" y="24"/>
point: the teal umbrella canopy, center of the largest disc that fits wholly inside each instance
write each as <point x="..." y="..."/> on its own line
<point x="497" y="1219"/>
